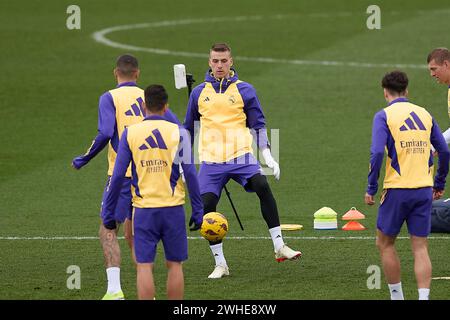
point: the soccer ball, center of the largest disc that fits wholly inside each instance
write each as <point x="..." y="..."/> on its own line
<point x="214" y="226"/>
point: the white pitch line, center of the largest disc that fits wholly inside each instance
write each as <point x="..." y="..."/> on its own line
<point x="227" y="238"/>
<point x="100" y="37"/>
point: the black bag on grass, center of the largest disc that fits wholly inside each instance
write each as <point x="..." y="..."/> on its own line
<point x="440" y="216"/>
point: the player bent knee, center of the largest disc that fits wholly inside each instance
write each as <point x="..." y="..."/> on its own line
<point x="384" y="240"/>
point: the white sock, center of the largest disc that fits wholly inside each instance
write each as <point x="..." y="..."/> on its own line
<point x="217" y="251"/>
<point x="396" y="291"/>
<point x="113" y="275"/>
<point x="277" y="238"/>
<point x="424" y="294"/>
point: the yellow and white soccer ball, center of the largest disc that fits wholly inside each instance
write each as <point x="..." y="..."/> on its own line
<point x="214" y="226"/>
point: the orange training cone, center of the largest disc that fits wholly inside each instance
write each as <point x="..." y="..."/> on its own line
<point x="353" y="214"/>
<point x="353" y="226"/>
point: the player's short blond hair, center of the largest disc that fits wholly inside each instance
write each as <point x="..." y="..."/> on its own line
<point x="439" y="55"/>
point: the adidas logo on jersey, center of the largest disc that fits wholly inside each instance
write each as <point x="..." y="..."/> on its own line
<point x="159" y="143"/>
<point x="136" y="109"/>
<point x="413" y="123"/>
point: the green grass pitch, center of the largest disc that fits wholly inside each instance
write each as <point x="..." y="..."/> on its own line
<point x="49" y="88"/>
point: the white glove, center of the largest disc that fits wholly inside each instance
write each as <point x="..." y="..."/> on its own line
<point x="182" y="173"/>
<point x="271" y="163"/>
<point x="446" y="135"/>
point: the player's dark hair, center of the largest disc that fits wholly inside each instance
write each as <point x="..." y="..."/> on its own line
<point x="395" y="82"/>
<point x="156" y="97"/>
<point x="221" y="47"/>
<point x="439" y="55"/>
<point x="127" y="64"/>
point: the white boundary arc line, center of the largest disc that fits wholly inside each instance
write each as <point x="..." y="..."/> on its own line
<point x="52" y="238"/>
<point x="100" y="37"/>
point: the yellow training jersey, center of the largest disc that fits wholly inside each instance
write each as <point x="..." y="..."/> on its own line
<point x="223" y="131"/>
<point x="228" y="114"/>
<point x="406" y="131"/>
<point x="156" y="179"/>
<point x="410" y="127"/>
<point x="128" y="110"/>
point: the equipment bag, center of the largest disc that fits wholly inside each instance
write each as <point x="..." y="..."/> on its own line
<point x="440" y="216"/>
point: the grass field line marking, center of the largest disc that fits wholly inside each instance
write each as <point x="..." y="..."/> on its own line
<point x="100" y="37"/>
<point x="227" y="238"/>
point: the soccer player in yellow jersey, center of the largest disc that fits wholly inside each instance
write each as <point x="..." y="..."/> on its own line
<point x="439" y="65"/>
<point x="156" y="148"/>
<point x="118" y="108"/>
<point x="406" y="131"/>
<point x="229" y="114"/>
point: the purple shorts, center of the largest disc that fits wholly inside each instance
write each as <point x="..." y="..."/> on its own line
<point x="212" y="177"/>
<point x="123" y="208"/>
<point x="410" y="205"/>
<point x="153" y="224"/>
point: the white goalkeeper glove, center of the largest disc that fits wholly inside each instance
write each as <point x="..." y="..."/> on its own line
<point x="446" y="135"/>
<point x="182" y="173"/>
<point x="271" y="163"/>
